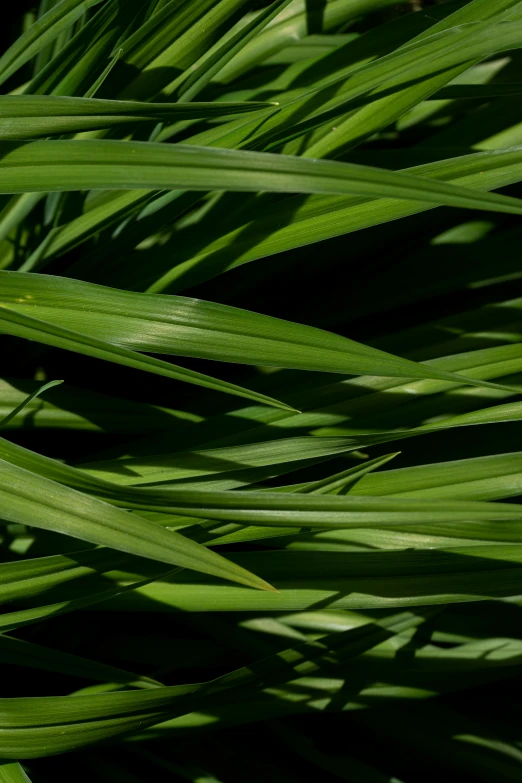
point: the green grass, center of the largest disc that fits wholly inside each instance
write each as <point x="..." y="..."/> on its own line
<point x="297" y="554"/>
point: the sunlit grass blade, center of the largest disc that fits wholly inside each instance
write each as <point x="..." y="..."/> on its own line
<point x="296" y="222"/>
<point x="67" y="511"/>
<point x="173" y="40"/>
<point x="76" y="408"/>
<point x="291" y="24"/>
<point x="13" y="772"/>
<point x="214" y="63"/>
<point x="38" y="116"/>
<point x="481" y="478"/>
<point x="352" y="580"/>
<point x="22" y="325"/>
<point x="90" y="596"/>
<point x="330" y="511"/>
<point x="10" y="416"/>
<point x="385" y="110"/>
<point x="188" y="327"/>
<point x="73" y="165"/>
<point x="198" y="464"/>
<point x="41" y="33"/>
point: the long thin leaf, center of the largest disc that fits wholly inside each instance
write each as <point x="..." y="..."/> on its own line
<point x="73" y="165"/>
<point x="13" y="772"/>
<point x="10" y="416"/>
<point x="37" y="116"/>
<point x="295" y="223"/>
<point x="70" y="512"/>
<point x="41" y="33"/>
<point x="64" y="723"/>
<point x="183" y="326"/>
<point x="214" y="63"/>
<point x="22" y="325"/>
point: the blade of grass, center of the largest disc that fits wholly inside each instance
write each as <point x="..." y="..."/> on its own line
<point x="22" y="325"/>
<point x="38" y="116"/>
<point x="41" y="33"/>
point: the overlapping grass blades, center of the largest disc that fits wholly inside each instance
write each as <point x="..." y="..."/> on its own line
<point x="304" y="193"/>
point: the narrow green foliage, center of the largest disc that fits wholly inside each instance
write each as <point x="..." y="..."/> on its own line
<point x="19" y="408"/>
<point x="314" y="206"/>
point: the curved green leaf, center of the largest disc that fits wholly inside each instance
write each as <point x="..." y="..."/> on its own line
<point x="10" y="416"/>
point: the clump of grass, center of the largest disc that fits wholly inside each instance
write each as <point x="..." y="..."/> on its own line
<point x="301" y="559"/>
